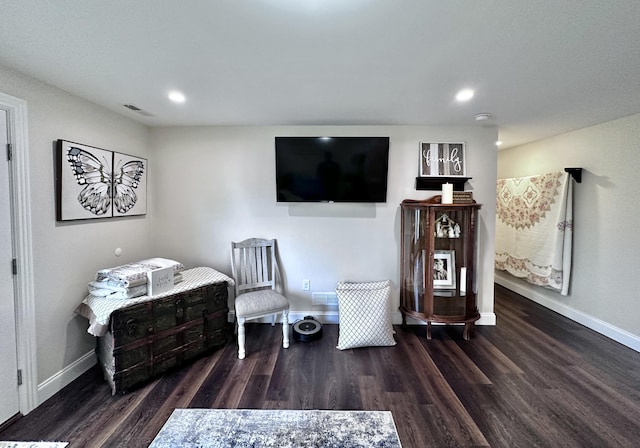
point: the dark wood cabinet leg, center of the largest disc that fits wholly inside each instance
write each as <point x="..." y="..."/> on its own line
<point x="468" y="328"/>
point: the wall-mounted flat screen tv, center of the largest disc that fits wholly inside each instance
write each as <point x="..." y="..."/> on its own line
<point x="332" y="169"/>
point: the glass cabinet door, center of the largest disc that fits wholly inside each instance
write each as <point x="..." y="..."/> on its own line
<point x="450" y="262"/>
<point x="437" y="261"/>
<point x="414" y="257"/>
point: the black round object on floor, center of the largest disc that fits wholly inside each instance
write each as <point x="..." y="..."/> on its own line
<point x="307" y="329"/>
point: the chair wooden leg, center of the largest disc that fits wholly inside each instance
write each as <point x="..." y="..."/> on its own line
<point x="241" y="338"/>
<point x="285" y="328"/>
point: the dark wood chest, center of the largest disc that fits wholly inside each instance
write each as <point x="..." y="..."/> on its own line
<point x="150" y="338"/>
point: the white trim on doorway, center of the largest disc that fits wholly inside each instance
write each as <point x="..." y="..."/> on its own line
<point x="25" y="301"/>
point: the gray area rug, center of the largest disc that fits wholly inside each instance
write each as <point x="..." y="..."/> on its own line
<point x="33" y="444"/>
<point x="208" y="428"/>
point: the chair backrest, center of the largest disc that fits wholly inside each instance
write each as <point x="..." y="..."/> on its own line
<point x="253" y="264"/>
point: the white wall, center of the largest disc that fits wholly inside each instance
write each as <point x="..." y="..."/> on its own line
<point x="208" y="186"/>
<point x="67" y="255"/>
<point x="606" y="248"/>
<point x="214" y="185"/>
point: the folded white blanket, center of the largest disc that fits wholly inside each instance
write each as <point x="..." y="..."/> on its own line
<point x="113" y="290"/>
<point x="108" y="287"/>
<point x="124" y="293"/>
<point x="134" y="274"/>
<point x="98" y="309"/>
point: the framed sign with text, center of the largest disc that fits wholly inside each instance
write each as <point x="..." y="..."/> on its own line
<point x="441" y="159"/>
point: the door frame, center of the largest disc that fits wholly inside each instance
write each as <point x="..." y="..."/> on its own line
<point x="22" y="242"/>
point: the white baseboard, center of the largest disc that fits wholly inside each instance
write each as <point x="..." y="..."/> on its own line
<point x="617" y="334"/>
<point x="332" y="317"/>
<point x="487" y="319"/>
<point x="325" y="317"/>
<point x="57" y="382"/>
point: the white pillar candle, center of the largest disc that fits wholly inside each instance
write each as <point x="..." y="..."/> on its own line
<point x="447" y="193"/>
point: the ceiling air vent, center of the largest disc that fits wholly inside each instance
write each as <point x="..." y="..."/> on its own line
<point x="137" y="109"/>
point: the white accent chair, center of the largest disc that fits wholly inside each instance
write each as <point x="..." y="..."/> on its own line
<point x="255" y="269"/>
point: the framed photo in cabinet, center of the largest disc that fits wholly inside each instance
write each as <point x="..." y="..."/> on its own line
<point x="444" y="269"/>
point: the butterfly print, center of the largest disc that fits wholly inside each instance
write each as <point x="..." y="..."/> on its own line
<point x="126" y="180"/>
<point x="96" y="177"/>
<point x="101" y="185"/>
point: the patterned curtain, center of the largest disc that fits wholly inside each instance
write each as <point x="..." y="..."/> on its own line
<point x="534" y="229"/>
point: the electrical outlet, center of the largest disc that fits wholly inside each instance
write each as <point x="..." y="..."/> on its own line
<point x="306" y="284"/>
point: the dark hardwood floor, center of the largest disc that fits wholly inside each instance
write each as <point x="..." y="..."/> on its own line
<point x="535" y="379"/>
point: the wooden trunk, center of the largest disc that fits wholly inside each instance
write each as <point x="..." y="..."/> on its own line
<point x="149" y="338"/>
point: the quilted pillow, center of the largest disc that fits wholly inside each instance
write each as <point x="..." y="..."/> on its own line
<point x="364" y="285"/>
<point x="365" y="320"/>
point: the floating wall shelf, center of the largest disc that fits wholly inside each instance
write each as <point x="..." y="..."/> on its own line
<point x="435" y="182"/>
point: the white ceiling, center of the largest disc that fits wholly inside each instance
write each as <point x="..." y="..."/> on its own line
<point x="541" y="67"/>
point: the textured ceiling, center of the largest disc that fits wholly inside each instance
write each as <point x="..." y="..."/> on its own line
<point x="541" y="68"/>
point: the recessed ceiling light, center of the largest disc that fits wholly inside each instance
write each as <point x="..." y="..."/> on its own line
<point x="176" y="97"/>
<point x="464" y="95"/>
<point x="498" y="143"/>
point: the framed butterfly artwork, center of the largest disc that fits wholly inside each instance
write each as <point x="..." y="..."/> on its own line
<point x="96" y="183"/>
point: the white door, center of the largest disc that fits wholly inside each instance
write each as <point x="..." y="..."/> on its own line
<point x="9" y="401"/>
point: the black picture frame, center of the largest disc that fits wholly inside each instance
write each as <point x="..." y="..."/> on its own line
<point x="442" y="159"/>
<point x="95" y="183"/>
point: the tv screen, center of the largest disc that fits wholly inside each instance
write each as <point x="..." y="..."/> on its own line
<point x="332" y="169"/>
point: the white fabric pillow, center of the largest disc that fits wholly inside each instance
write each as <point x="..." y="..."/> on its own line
<point x="365" y="320"/>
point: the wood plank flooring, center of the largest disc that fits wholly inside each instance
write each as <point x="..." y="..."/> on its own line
<point x="534" y="380"/>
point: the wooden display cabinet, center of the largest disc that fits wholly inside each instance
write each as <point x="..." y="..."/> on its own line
<point x="438" y="256"/>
